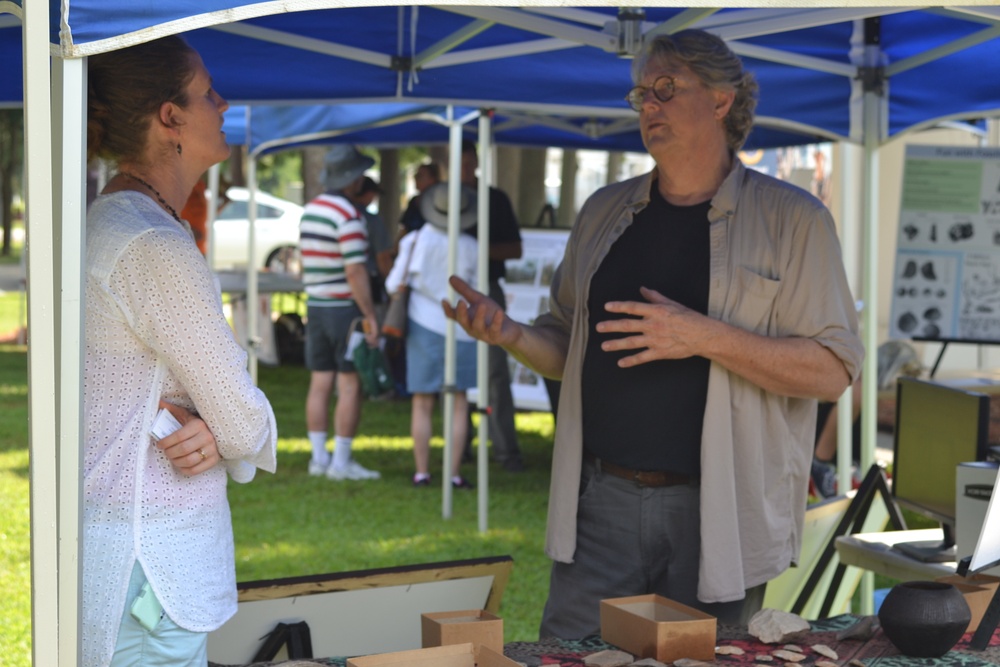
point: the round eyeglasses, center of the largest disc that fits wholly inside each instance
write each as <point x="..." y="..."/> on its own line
<point x="663" y="90"/>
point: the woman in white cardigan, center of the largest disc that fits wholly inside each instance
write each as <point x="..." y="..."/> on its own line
<point x="422" y="265"/>
<point x="158" y="564"/>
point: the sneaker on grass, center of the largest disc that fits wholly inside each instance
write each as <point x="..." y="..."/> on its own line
<point x="317" y="469"/>
<point x="353" y="470"/>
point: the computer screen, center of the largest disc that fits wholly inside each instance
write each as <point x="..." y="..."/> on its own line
<point x="937" y="427"/>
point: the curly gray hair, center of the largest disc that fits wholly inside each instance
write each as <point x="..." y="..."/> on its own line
<point x="715" y="65"/>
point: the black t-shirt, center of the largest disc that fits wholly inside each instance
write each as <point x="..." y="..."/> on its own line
<point x="649" y="417"/>
<point x="412" y="219"/>
<point x="503" y="229"/>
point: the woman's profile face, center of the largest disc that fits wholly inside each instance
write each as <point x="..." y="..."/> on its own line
<point x="202" y="137"/>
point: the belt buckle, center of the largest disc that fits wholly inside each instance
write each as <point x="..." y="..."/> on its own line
<point x="638" y="477"/>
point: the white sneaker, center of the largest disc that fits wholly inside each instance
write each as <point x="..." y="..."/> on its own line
<point x="353" y="470"/>
<point x="317" y="469"/>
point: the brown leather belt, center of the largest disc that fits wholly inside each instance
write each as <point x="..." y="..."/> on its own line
<point x="650" y="478"/>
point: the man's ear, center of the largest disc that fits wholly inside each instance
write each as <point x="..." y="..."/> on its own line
<point x="723" y="103"/>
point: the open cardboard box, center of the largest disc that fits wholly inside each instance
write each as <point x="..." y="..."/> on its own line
<point x="652" y="626"/>
<point x="978" y="590"/>
<point x="455" y="655"/>
<point x="477" y="626"/>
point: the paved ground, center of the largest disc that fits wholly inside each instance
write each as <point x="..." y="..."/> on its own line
<point x="10" y="278"/>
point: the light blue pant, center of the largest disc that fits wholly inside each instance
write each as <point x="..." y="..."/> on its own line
<point x="167" y="644"/>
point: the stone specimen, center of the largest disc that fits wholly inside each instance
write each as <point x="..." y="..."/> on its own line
<point x="608" y="659"/>
<point x="790" y="656"/>
<point x="648" y="662"/>
<point x="825" y="651"/>
<point x="690" y="662"/>
<point x="729" y="650"/>
<point x="773" y="626"/>
<point x="863" y="630"/>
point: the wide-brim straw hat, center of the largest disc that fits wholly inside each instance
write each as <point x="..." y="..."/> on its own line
<point x="343" y="165"/>
<point x="434" y="206"/>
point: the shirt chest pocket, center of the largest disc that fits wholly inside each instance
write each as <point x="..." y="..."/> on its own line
<point x="753" y="301"/>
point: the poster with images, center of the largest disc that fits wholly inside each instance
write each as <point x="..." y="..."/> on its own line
<point x="526" y="289"/>
<point x="946" y="280"/>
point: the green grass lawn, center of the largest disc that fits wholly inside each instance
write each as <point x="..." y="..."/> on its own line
<point x="291" y="524"/>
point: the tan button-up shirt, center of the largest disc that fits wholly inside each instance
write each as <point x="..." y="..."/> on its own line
<point x="775" y="270"/>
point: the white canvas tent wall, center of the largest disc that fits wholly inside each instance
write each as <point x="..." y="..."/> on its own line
<point x="863" y="69"/>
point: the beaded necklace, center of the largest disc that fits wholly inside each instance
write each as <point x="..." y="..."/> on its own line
<point x="170" y="209"/>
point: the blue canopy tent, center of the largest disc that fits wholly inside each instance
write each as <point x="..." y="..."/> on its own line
<point x="854" y="74"/>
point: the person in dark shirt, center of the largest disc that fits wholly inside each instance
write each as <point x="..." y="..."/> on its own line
<point x="426" y="175"/>
<point x="505" y="243"/>
<point x="698" y="313"/>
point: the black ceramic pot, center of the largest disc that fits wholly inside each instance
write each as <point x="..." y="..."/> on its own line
<point x="924" y="619"/>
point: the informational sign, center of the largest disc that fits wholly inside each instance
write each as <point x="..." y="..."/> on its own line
<point x="946" y="284"/>
<point x="526" y="288"/>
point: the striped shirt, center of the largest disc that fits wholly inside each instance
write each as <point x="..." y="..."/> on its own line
<point x="331" y="235"/>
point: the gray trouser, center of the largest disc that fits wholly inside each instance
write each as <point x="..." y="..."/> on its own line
<point x="632" y="541"/>
<point x="501" y="420"/>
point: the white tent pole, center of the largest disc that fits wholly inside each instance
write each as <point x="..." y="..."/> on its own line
<point x="849" y="172"/>
<point x="454" y="193"/>
<point x="874" y="101"/>
<point x="251" y="307"/>
<point x="483" y="285"/>
<point x="42" y="385"/>
<point x="70" y="154"/>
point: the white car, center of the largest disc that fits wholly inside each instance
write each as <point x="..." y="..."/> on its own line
<point x="277" y="238"/>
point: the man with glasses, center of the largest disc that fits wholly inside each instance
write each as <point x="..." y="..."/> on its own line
<point x="699" y="312"/>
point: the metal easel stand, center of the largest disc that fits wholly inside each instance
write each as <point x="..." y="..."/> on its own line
<point x="875" y="482"/>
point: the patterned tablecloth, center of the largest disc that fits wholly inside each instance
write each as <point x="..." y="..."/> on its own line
<point x="875" y="652"/>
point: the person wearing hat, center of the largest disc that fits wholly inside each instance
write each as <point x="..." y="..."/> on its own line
<point x="422" y="267"/>
<point x="333" y="239"/>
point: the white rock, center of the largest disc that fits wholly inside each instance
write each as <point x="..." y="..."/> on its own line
<point x="649" y="662"/>
<point x="608" y="659"/>
<point x="791" y="656"/>
<point x="825" y="651"/>
<point x="773" y="626"/>
<point x="690" y="662"/>
<point x="826" y="663"/>
<point x="729" y="650"/>
<point x="763" y="657"/>
<point x="793" y="647"/>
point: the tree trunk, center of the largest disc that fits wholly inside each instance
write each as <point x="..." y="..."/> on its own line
<point x="567" y="191"/>
<point x="531" y="186"/>
<point x="389" y="207"/>
<point x="312" y="171"/>
<point x="11" y="159"/>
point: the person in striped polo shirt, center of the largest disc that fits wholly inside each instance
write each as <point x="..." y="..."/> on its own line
<point x="333" y="239"/>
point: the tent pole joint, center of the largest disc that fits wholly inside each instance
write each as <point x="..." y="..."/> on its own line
<point x="872" y="79"/>
<point x="401" y="63"/>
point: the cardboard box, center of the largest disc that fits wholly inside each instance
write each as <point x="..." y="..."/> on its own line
<point x="978" y="590"/>
<point x="477" y="626"/>
<point x="455" y="655"/>
<point x="651" y="626"/>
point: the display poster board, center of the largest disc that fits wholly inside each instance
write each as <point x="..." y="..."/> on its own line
<point x="526" y="289"/>
<point x="361" y="612"/>
<point x="946" y="281"/>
